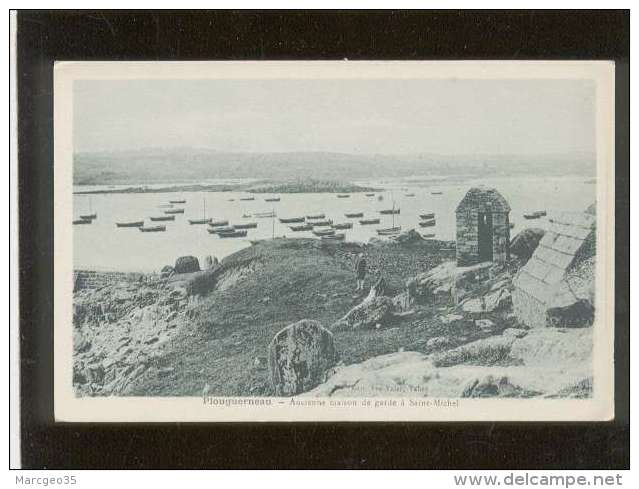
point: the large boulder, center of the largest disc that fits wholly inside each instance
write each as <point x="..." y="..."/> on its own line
<point x="409" y="236"/>
<point x="187" y="264"/>
<point x="367" y="315"/>
<point x="525" y="243"/>
<point x="298" y="357"/>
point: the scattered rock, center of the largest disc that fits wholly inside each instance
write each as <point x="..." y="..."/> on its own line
<point x="515" y="332"/>
<point x="367" y="314"/>
<point x="440" y="343"/>
<point x="167" y="271"/>
<point x="525" y="243"/>
<point x="485" y="325"/>
<point x="409" y="236"/>
<point x="489" y="386"/>
<point x="298" y="357"/>
<point x="187" y="264"/>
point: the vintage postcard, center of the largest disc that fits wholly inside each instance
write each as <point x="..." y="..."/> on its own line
<point x="334" y="241"/>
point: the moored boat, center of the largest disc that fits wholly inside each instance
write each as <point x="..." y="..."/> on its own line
<point x="264" y="214"/>
<point x="289" y="220"/>
<point x="218" y="223"/>
<point x="165" y="206"/>
<point x="409" y="195"/>
<point x="343" y="225"/>
<point x="324" y="232"/>
<point x="365" y="222"/>
<point x="334" y="237"/>
<point x="247" y="198"/>
<point x="272" y="199"/>
<point x="174" y="211"/>
<point x="370" y="195"/>
<point x="152" y="229"/>
<point x="343" y="196"/>
<point x="220" y="229"/>
<point x="89" y="217"/>
<point x="428" y="235"/>
<point x="82" y="221"/>
<point x="130" y="224"/>
<point x="389" y="231"/>
<point x="200" y="221"/>
<point x="301" y="227"/>
<point x="430" y="215"/>
<point x="389" y="211"/>
<point x="436" y="193"/>
<point x="316" y="216"/>
<point x="428" y="224"/>
<point x="162" y="218"/>
<point x="326" y="222"/>
<point x="532" y="215"/>
<point x="181" y="201"/>
<point x="232" y="234"/>
<point x="351" y="215"/>
<point x="245" y="225"/>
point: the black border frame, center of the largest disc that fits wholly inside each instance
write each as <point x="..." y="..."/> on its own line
<point x="45" y="36"/>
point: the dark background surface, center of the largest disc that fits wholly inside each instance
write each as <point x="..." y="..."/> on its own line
<point x="44" y="37"/>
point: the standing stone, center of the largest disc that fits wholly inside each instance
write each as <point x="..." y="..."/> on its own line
<point x="208" y="262"/>
<point x="298" y="357"/>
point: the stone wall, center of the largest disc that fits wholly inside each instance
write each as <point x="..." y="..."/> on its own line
<point x="501" y="237"/>
<point x="467" y="237"/>
<point x="91" y="279"/>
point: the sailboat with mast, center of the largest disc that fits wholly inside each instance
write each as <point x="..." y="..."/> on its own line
<point x="91" y="215"/>
<point x="204" y="219"/>
<point x="393" y="230"/>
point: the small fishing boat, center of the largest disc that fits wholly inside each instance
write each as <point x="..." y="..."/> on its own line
<point x="351" y="215"/>
<point x="436" y="193"/>
<point x="428" y="235"/>
<point x="182" y="201"/>
<point x="365" y="222"/>
<point x="231" y="200"/>
<point x="218" y="223"/>
<point x="245" y="225"/>
<point x="430" y="215"/>
<point x="246" y="216"/>
<point x="204" y="219"/>
<point x="323" y="232"/>
<point x="343" y="225"/>
<point x="89" y="217"/>
<point x="232" y="234"/>
<point x="389" y="211"/>
<point x="247" y="198"/>
<point x="82" y="221"/>
<point x="152" y="229"/>
<point x="301" y="227"/>
<point x="165" y="206"/>
<point x="427" y="224"/>
<point x="174" y="211"/>
<point x="130" y="224"/>
<point x="290" y="220"/>
<point x="163" y="218"/>
<point x="316" y="216"/>
<point x="532" y="215"/>
<point x="334" y="237"/>
<point x="343" y="196"/>
<point x="409" y="195"/>
<point x="200" y="221"/>
<point x="389" y="231"/>
<point x="264" y="214"/>
<point x="326" y="222"/>
<point x="272" y="199"/>
<point x="220" y="229"/>
<point x="370" y="195"/>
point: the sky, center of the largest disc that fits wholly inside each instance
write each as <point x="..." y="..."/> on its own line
<point x="351" y="116"/>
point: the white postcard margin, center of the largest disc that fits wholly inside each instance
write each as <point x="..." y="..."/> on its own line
<point x="69" y="408"/>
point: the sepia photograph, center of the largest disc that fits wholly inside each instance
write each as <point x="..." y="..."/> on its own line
<point x="337" y="240"/>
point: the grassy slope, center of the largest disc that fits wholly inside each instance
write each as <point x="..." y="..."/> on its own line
<point x="235" y="323"/>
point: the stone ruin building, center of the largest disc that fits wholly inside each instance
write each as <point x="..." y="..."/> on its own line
<point x="556" y="286"/>
<point x="483" y="228"/>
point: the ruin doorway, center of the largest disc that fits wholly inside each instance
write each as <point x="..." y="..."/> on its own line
<point x="485" y="237"/>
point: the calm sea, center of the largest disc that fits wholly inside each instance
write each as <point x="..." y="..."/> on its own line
<point x="103" y="246"/>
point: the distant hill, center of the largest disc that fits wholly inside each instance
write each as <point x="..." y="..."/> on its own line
<point x="153" y="165"/>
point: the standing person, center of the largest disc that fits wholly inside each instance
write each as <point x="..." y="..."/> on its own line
<point x="360" y="270"/>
